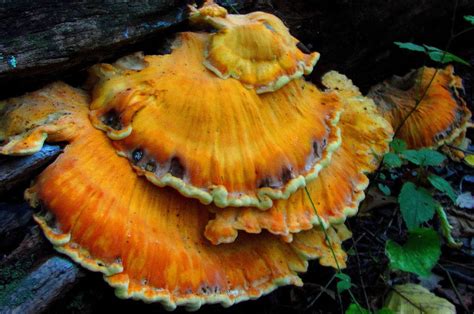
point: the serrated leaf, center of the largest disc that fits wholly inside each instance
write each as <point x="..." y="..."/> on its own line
<point x="398" y="145"/>
<point x="385" y="189"/>
<point x="442" y="185"/>
<point x="392" y="160"/>
<point x="410" y="46"/>
<point x="418" y="255"/>
<point x="416" y="205"/>
<point x="469" y="18"/>
<point x="412" y="298"/>
<point x="344" y="282"/>
<point x="424" y="157"/>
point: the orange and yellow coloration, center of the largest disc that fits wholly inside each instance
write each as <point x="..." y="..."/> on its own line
<point x="441" y="116"/>
<point x="214" y="139"/>
<point x="257" y="49"/>
<point x="222" y="156"/>
<point x="339" y="187"/>
<point x="148" y="241"/>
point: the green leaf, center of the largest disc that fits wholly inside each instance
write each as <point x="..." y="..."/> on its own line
<point x="385" y="310"/>
<point x="410" y="46"/>
<point x="442" y="56"/>
<point x="442" y="185"/>
<point x="418" y="255"/>
<point x="392" y="160"/>
<point x="424" y="157"/>
<point x="469" y="18"/>
<point x="412" y="298"/>
<point x="385" y="189"/>
<point x="344" y="282"/>
<point x="416" y="205"/>
<point x="398" y="145"/>
<point x="446" y="229"/>
<point x="356" y="309"/>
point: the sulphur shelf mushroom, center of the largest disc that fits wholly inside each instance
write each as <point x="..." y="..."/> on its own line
<point x="166" y="162"/>
<point x="426" y="107"/>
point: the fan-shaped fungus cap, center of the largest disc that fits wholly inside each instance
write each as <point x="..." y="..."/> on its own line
<point x="255" y="48"/>
<point x="147" y="241"/>
<point x="441" y="115"/>
<point x="214" y="139"/>
<point x="27" y="121"/>
<point x="339" y="187"/>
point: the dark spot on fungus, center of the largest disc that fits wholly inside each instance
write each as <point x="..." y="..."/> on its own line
<point x="137" y="155"/>
<point x="264" y="183"/>
<point x="176" y="168"/>
<point x="285" y="175"/>
<point x="317" y="150"/>
<point x="150" y="166"/>
<point x="112" y="120"/>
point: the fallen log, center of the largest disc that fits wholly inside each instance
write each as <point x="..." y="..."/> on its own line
<point x="16" y="170"/>
<point x="47" y="283"/>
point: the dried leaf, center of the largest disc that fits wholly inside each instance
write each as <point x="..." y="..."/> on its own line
<point x="412" y="298"/>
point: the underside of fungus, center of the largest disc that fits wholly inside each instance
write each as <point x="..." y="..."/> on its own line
<point x="213" y="139"/>
<point x="339" y="187"/>
<point x="426" y="105"/>
<point x="257" y="49"/>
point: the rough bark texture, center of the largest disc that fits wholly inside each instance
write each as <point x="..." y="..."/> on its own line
<point x="17" y="170"/>
<point x="33" y="294"/>
<point x="43" y="40"/>
<point x="46" y="38"/>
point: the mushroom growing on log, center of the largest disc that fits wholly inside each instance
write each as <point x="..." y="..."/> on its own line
<point x="191" y="145"/>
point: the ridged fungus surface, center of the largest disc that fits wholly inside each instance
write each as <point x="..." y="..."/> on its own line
<point x="213" y="139"/>
<point x="441" y="115"/>
<point x="339" y="187"/>
<point x="148" y="241"/>
<point x="257" y="48"/>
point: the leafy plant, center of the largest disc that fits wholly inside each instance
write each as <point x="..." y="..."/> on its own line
<point x="433" y="53"/>
<point x="417" y="206"/>
<point x="418" y="255"/>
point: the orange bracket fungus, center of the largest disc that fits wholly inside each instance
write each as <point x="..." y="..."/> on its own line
<point x="171" y="156"/>
<point x="442" y="115"/>
<point x="257" y="49"/>
<point x="213" y="139"/>
<point x="339" y="187"/>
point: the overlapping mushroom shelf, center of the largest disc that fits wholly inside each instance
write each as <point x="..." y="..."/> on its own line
<point x="201" y="176"/>
<point x="213" y="139"/>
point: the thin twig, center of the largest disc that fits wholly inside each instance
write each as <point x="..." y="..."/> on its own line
<point x="454" y="287"/>
<point x="360" y="272"/>
<point x="328" y="240"/>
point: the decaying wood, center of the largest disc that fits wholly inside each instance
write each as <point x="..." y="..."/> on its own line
<point x="15" y="170"/>
<point x="42" y="40"/>
<point x="34" y="293"/>
<point x="33" y="276"/>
